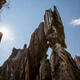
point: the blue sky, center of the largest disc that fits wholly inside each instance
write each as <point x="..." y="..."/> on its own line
<point x="24" y="16"/>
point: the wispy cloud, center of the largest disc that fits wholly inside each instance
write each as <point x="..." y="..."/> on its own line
<point x="75" y="22"/>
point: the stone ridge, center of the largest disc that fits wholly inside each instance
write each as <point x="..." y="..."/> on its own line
<point x="32" y="64"/>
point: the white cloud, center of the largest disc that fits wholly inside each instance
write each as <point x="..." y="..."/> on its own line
<point x="75" y="22"/>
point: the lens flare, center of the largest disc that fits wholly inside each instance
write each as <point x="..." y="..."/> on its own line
<point x="7" y="34"/>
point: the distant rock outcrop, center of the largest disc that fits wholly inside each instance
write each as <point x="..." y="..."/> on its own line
<point x="32" y="64"/>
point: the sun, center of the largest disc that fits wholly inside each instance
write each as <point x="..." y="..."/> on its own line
<point x="6" y="33"/>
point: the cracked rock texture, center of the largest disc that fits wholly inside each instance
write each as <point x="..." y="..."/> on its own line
<point x="77" y="60"/>
<point x="32" y="64"/>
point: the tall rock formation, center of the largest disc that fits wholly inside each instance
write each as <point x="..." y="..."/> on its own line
<point x="32" y="64"/>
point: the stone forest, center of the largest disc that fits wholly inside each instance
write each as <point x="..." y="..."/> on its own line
<point x="31" y="63"/>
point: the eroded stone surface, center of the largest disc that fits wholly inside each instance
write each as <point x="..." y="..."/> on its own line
<point x="77" y="60"/>
<point x="45" y="70"/>
<point x="63" y="66"/>
<point x="32" y="64"/>
<point x="14" y="67"/>
<point x="53" y="27"/>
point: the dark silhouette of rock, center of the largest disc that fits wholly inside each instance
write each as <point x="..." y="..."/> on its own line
<point x="2" y="2"/>
<point x="1" y="36"/>
<point x="32" y="64"/>
<point x="25" y="46"/>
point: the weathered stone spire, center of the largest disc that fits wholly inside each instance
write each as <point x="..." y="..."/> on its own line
<point x="53" y="27"/>
<point x="32" y="64"/>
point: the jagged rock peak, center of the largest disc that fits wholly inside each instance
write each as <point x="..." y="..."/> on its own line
<point x="53" y="27"/>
